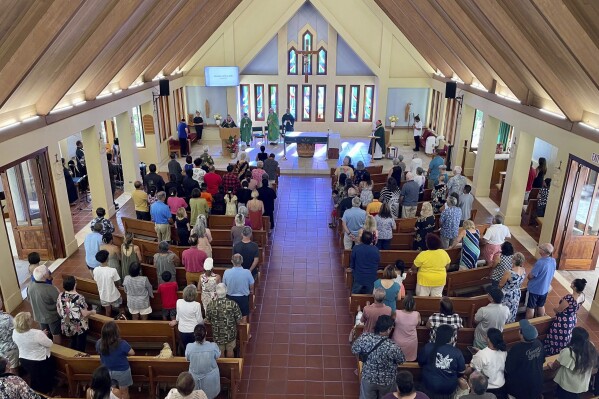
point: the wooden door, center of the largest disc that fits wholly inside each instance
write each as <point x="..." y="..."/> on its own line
<point x="580" y="218"/>
<point x="31" y="208"/>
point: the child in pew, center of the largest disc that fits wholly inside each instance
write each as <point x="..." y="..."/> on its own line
<point x="168" y="296"/>
<point x="400" y="268"/>
<point x="334" y="212"/>
<point x="108" y="280"/>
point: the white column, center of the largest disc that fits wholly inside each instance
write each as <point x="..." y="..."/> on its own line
<point x="516" y="177"/>
<point x="463" y="132"/>
<point x="97" y="170"/>
<point x="485" y="158"/>
<point x="555" y="193"/>
<point x="129" y="153"/>
<point x="9" y="285"/>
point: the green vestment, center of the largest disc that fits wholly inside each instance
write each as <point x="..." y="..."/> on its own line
<point x="380" y="139"/>
<point x="273" y="127"/>
<point x="245" y="128"/>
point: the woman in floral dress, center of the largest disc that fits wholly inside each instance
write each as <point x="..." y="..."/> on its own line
<point x="424" y="224"/>
<point x="560" y="332"/>
<point x="73" y="312"/>
<point x="208" y="282"/>
<point x="510" y="285"/>
<point x="439" y="195"/>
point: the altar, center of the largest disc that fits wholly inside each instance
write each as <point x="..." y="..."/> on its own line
<point x="306" y="141"/>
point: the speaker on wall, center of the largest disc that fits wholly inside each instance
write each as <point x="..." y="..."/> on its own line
<point x="450" y="89"/>
<point x="165" y="89"/>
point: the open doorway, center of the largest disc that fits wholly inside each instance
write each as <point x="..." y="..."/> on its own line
<point x="30" y="211"/>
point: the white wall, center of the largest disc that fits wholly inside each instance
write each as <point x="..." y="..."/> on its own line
<point x="397" y="99"/>
<point x="545" y="150"/>
<point x="216" y="96"/>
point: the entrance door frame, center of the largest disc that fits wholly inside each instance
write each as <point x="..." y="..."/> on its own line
<point x="560" y="228"/>
<point x="51" y="225"/>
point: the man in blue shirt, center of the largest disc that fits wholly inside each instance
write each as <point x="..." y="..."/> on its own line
<point x="92" y="244"/>
<point x="183" y="131"/>
<point x="240" y="285"/>
<point x="539" y="281"/>
<point x="450" y="222"/>
<point x="352" y="221"/>
<point x="433" y="169"/>
<point x="162" y="218"/>
<point x="364" y="263"/>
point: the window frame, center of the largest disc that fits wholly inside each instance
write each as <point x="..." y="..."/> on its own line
<point x="249" y="96"/>
<point x="256" y="116"/>
<point x="309" y="118"/>
<point x="364" y="119"/>
<point x="342" y="119"/>
<point x="472" y="132"/>
<point x="141" y="127"/>
<point x="292" y="110"/>
<point x="307" y="56"/>
<point x="357" y="118"/>
<point x="276" y="96"/>
<point x="326" y="55"/>
<point x="289" y="61"/>
<point x="324" y="103"/>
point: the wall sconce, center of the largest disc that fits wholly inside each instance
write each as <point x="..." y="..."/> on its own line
<point x="513" y="148"/>
<point x="58" y="167"/>
<point x="557" y="173"/>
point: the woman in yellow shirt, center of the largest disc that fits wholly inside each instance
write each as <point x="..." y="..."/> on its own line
<point x="431" y="266"/>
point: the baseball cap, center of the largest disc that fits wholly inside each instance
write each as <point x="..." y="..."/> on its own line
<point x="528" y="331"/>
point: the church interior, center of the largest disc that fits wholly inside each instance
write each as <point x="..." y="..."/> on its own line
<point x="499" y="89"/>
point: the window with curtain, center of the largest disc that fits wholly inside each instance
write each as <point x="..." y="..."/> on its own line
<point x="307" y="40"/>
<point x="292" y="100"/>
<point x="321" y="98"/>
<point x="476" y="129"/>
<point x="259" y="102"/>
<point x="339" y="103"/>
<point x="354" y="103"/>
<point x="368" y="99"/>
<point x="138" y="127"/>
<point x="103" y="133"/>
<point x="306" y="103"/>
<point x="244" y="95"/>
<point x="273" y="92"/>
<point x="505" y="135"/>
<point x="292" y="61"/>
<point x="322" y="61"/>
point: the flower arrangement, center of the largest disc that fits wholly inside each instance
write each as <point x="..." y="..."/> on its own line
<point x="217" y="117"/>
<point x="232" y="144"/>
<point x="393" y="118"/>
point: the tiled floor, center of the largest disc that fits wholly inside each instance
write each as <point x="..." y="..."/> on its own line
<point x="301" y="324"/>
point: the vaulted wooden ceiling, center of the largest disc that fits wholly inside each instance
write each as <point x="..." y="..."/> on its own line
<point x="545" y="52"/>
<point x="76" y="49"/>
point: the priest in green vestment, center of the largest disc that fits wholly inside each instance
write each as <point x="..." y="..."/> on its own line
<point x="273" y="127"/>
<point x="379" y="143"/>
<point x="245" y="128"/>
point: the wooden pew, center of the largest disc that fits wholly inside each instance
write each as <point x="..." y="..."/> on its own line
<point x="222" y="237"/>
<point x="402" y="241"/>
<point x="466" y="282"/>
<point x="388" y="257"/>
<point x="150" y="272"/>
<point x="405" y="225"/>
<point x="226" y="222"/>
<point x="141" y="228"/>
<point x="146" y="371"/>
<point x="409" y="281"/>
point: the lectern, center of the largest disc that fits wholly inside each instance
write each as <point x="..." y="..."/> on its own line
<point x="225" y="133"/>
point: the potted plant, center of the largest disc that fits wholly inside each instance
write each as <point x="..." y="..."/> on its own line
<point x="393" y="119"/>
<point x="232" y="145"/>
<point x="217" y="118"/>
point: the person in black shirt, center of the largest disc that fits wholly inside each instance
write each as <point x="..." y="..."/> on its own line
<point x="244" y="194"/>
<point x="249" y="250"/>
<point x="174" y="168"/>
<point x="262" y="155"/>
<point x="112" y="173"/>
<point x="267" y="195"/>
<point x="80" y="156"/>
<point x="524" y="364"/>
<point x="198" y="124"/>
<point x="154" y="179"/>
<point x="218" y="202"/>
<point x="189" y="184"/>
<point x="288" y="121"/>
<point x="174" y="184"/>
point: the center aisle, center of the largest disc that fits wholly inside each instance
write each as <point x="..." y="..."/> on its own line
<point x="300" y="329"/>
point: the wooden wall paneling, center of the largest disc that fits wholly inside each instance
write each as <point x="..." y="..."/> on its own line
<point x="40" y="38"/>
<point x="511" y="31"/>
<point x="456" y="42"/>
<point x="148" y="124"/>
<point x="410" y="30"/>
<point x="587" y="15"/>
<point x="164" y="39"/>
<point x="139" y="40"/>
<point x="82" y="59"/>
<point x="210" y="25"/>
<point x="187" y="34"/>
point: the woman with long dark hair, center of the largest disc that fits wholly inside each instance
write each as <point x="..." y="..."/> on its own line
<point x="575" y="365"/>
<point x="562" y="326"/>
<point x="101" y="385"/>
<point x="113" y="354"/>
<point x="541" y="172"/>
<point x="491" y="362"/>
<point x="442" y="365"/>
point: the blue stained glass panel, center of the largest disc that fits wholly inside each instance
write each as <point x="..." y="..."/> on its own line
<point x="293" y="100"/>
<point x="322" y="62"/>
<point x="273" y="97"/>
<point x="292" y="62"/>
<point x="339" y="103"/>
<point x="306" y="106"/>
<point x="259" y="102"/>
<point x="320" y="102"/>
<point x="368" y="96"/>
<point x="354" y="93"/>
<point x="245" y="99"/>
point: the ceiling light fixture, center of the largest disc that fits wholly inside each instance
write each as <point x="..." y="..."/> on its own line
<point x="103" y="96"/>
<point x="13" y="124"/>
<point x="588" y="126"/>
<point x="136" y="85"/>
<point x="478" y="86"/>
<point x="80" y="102"/>
<point x="546" y="111"/>
<point x="31" y="119"/>
<point x="61" y="109"/>
<point x="512" y="99"/>
<point x="117" y="91"/>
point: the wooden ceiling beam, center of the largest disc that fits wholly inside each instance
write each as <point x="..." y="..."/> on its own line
<point x="432" y="40"/>
<point x="157" y="64"/>
<point x="572" y="34"/>
<point x="164" y="39"/>
<point x="202" y="35"/>
<point x="587" y="14"/>
<point x="86" y="54"/>
<point x="408" y="28"/>
<point x="16" y="20"/>
<point x="455" y="42"/>
<point x="139" y="40"/>
<point x="41" y="36"/>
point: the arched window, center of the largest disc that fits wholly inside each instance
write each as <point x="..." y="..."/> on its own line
<point x="307" y="43"/>
<point x="322" y="62"/>
<point x="292" y="61"/>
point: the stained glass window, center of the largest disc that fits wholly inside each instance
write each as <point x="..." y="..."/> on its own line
<point x="368" y="98"/>
<point x="273" y="100"/>
<point x="321" y="99"/>
<point x="306" y="103"/>
<point x="354" y="103"/>
<point x="292" y="62"/>
<point x="339" y="103"/>
<point x="259" y="102"/>
<point x="322" y="61"/>
<point x="292" y="100"/>
<point x="244" y="94"/>
<point x="138" y="126"/>
<point x="307" y="46"/>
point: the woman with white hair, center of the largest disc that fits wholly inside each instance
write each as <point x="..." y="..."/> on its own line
<point x="415" y="164"/>
<point x="236" y="230"/>
<point x="424" y="224"/>
<point x="202" y="221"/>
<point x="397" y="170"/>
<point x="208" y="282"/>
<point x="346" y="168"/>
<point x="203" y="242"/>
<point x="242" y="165"/>
<point x="189" y="315"/>
<point x="258" y="173"/>
<point x="493" y="238"/>
<point x="457" y="182"/>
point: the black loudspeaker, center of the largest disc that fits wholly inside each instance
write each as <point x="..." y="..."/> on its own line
<point x="450" y="89"/>
<point x="165" y="88"/>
